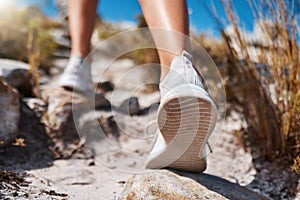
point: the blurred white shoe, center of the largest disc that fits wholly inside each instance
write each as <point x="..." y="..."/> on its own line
<point x="77" y="75"/>
<point x="186" y="118"/>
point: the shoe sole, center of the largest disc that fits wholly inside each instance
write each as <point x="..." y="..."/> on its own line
<point x="186" y="119"/>
<point x="71" y="83"/>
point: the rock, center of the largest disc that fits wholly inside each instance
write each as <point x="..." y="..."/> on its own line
<point x="110" y="128"/>
<point x="164" y="184"/>
<point x="103" y="87"/>
<point x="130" y="106"/>
<point x="61" y="38"/>
<point x="17" y="74"/>
<point x="9" y="112"/>
<point x="30" y="149"/>
<point x="62" y="106"/>
<point x="62" y="102"/>
<point x="37" y="105"/>
<point x="101" y="102"/>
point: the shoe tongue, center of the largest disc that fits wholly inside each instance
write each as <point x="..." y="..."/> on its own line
<point x="181" y="72"/>
<point x="194" y="78"/>
<point x="186" y="55"/>
<point x="179" y="63"/>
<point x="77" y="60"/>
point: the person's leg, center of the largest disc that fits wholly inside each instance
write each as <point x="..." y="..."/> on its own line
<point x="186" y="115"/>
<point x="171" y="15"/>
<point x="82" y="15"/>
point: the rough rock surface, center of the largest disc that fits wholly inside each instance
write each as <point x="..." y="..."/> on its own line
<point x="17" y="74"/>
<point x="37" y="105"/>
<point x="62" y="106"/>
<point x="30" y="149"/>
<point x="167" y="185"/>
<point x="62" y="102"/>
<point x="67" y="178"/>
<point x="72" y="178"/>
<point x="9" y="112"/>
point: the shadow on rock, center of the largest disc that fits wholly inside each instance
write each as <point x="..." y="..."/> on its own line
<point x="68" y="117"/>
<point x="30" y="149"/>
<point x="275" y="179"/>
<point x="164" y="184"/>
<point x="221" y="186"/>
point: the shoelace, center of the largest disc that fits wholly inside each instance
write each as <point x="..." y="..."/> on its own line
<point x="198" y="80"/>
<point x="189" y="66"/>
<point x="75" y="64"/>
<point x="209" y="147"/>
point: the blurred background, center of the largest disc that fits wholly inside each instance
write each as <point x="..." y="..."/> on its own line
<point x="254" y="43"/>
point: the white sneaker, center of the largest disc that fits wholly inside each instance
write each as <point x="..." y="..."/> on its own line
<point x="186" y="118"/>
<point x="77" y="75"/>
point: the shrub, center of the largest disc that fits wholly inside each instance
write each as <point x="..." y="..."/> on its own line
<point x="265" y="76"/>
<point x="20" y="26"/>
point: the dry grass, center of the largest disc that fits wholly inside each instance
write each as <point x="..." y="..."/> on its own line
<point x="20" y="26"/>
<point x="273" y="117"/>
<point x="296" y="166"/>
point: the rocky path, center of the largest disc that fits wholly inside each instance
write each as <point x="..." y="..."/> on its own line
<point x="49" y="161"/>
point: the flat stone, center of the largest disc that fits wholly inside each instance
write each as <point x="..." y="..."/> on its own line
<point x="164" y="184"/>
<point x="9" y="112"/>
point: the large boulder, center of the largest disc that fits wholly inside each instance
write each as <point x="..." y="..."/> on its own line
<point x="9" y="112"/>
<point x="165" y="185"/>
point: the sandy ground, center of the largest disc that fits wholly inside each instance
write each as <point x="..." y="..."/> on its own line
<point x="81" y="180"/>
<point x="40" y="175"/>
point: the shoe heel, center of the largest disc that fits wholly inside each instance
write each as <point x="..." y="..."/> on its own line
<point x="186" y="119"/>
